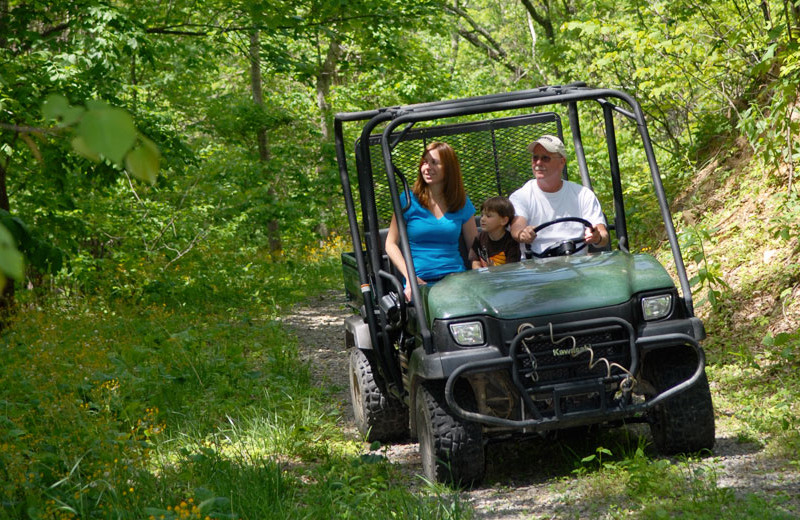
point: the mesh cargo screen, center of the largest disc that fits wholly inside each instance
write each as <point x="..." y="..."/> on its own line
<point x="493" y="155"/>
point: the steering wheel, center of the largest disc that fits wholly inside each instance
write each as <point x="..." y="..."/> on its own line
<point x="566" y="247"/>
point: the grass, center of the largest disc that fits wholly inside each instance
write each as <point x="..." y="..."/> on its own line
<point x="615" y="474"/>
<point x="183" y="397"/>
<point x="660" y="488"/>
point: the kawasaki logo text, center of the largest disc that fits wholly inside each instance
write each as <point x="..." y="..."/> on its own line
<point x="574" y="351"/>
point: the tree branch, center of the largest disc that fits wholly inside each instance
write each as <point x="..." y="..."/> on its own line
<point x="544" y="21"/>
<point x="480" y="30"/>
<point x="28" y="129"/>
<point x="492" y="53"/>
<point x="493" y="49"/>
<point x="196" y="29"/>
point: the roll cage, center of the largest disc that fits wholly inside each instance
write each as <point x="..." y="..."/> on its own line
<point x="399" y="125"/>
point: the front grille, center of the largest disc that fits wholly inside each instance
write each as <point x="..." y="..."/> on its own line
<point x="544" y="355"/>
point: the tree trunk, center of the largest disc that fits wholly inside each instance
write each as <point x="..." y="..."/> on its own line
<point x="273" y="226"/>
<point x="454" y="45"/>
<point x="765" y="12"/>
<point x="792" y="13"/>
<point x="134" y="81"/>
<point x="325" y="77"/>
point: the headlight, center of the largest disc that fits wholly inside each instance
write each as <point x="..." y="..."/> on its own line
<point x="468" y="334"/>
<point x="656" y="307"/>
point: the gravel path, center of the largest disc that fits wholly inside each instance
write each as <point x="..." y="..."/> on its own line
<point x="522" y="481"/>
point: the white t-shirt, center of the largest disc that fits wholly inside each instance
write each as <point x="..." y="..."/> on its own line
<point x="537" y="207"/>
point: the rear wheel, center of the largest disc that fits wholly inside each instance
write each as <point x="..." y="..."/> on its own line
<point x="379" y="416"/>
<point x="450" y="447"/>
<point x="685" y="422"/>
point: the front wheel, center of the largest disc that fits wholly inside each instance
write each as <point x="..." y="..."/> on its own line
<point x="379" y="416"/>
<point x="684" y="423"/>
<point x="450" y="447"/>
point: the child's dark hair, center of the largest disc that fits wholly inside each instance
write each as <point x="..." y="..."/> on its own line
<point x="500" y="205"/>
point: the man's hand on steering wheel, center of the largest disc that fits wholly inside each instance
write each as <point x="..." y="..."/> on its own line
<point x="568" y="246"/>
<point x="527" y="235"/>
<point x="592" y="235"/>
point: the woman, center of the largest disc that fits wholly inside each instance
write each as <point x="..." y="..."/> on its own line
<point x="440" y="212"/>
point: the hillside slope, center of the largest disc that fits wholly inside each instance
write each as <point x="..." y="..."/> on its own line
<point x="752" y="226"/>
<point x="739" y="222"/>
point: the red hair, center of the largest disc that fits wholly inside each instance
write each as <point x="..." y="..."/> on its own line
<point x="454" y="195"/>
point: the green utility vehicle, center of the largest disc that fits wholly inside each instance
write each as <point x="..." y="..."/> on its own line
<point x="525" y="348"/>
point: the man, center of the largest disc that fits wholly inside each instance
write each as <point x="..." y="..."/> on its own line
<point x="548" y="196"/>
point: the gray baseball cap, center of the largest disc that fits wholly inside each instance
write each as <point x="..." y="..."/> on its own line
<point x="550" y="143"/>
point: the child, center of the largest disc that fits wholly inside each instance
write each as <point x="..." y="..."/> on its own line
<point x="494" y="245"/>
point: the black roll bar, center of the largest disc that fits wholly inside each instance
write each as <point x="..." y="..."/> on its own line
<point x="577" y="143"/>
<point x="619" y="206"/>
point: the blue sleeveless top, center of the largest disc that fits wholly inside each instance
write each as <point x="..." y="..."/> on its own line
<point x="434" y="242"/>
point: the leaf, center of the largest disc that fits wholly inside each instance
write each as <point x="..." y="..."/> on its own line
<point x="108" y="131"/>
<point x="770" y="52"/>
<point x="56" y="107"/>
<point x="142" y="162"/>
<point x="11" y="261"/>
<point x="80" y="146"/>
<point x="372" y="458"/>
<point x="212" y="504"/>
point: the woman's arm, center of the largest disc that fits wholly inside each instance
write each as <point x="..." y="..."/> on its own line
<point x="469" y="231"/>
<point x="396" y="256"/>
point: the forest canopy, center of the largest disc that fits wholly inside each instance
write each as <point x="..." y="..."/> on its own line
<point x="141" y="130"/>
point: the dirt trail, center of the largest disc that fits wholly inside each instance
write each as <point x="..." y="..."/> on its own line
<point x="522" y="480"/>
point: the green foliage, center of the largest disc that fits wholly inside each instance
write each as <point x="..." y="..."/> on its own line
<point x="593" y="461"/>
<point x="787" y="344"/>
<point x="708" y="276"/>
<point x="105" y="132"/>
<point x="765" y="396"/>
<point x="782" y="224"/>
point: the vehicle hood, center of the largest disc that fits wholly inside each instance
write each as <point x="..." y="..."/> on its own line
<point x="540" y="287"/>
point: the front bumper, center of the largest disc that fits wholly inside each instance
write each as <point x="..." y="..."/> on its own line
<point x="577" y="382"/>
